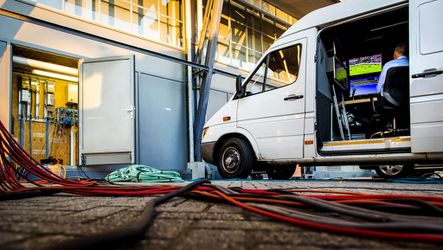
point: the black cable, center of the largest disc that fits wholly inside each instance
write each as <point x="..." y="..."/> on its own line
<point x="424" y="205"/>
<point x="403" y="226"/>
<point x="81" y="169"/>
<point x="129" y="233"/>
<point x="357" y="211"/>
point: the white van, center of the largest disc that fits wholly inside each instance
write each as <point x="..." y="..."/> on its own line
<point x="312" y="99"/>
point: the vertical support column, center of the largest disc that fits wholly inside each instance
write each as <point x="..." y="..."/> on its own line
<point x="207" y="77"/>
<point x="199" y="17"/>
<point x="5" y="84"/>
<point x="190" y="52"/>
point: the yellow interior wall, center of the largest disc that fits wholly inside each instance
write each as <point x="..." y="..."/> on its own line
<point x="59" y="140"/>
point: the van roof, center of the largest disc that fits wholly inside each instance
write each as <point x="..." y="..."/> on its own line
<point x="335" y="12"/>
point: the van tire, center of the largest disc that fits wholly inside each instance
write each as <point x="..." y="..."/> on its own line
<point x="281" y="173"/>
<point x="235" y="159"/>
<point x="393" y="171"/>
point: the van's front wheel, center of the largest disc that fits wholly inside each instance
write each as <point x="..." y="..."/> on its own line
<point x="235" y="159"/>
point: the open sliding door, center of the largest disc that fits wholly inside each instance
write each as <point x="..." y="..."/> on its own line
<point x="426" y="54"/>
<point x="107" y="113"/>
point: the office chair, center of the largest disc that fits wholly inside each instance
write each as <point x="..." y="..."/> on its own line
<point x="395" y="100"/>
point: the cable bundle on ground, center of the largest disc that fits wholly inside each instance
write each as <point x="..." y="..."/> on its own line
<point x="386" y="216"/>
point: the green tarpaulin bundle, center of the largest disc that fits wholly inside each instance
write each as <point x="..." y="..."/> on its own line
<point x="142" y="173"/>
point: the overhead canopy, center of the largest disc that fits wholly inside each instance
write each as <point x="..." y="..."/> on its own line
<point x="299" y="8"/>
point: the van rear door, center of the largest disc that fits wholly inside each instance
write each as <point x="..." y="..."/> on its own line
<point x="426" y="54"/>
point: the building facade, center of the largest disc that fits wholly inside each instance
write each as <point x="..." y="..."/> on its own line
<point x="125" y="61"/>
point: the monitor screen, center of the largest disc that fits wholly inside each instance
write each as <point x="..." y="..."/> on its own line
<point x="363" y="86"/>
<point x="365" y="65"/>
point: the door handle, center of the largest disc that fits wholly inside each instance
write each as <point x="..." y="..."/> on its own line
<point x="131" y="110"/>
<point x="428" y="72"/>
<point x="293" y="97"/>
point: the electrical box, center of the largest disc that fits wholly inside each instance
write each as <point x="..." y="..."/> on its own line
<point x="50" y="90"/>
<point x="25" y="93"/>
<point x="50" y="87"/>
<point x="25" y="96"/>
<point x="50" y="99"/>
<point x="72" y="94"/>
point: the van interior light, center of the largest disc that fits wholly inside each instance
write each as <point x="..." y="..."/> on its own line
<point x="45" y="65"/>
<point x="55" y="75"/>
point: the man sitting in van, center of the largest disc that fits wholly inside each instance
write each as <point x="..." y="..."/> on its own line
<point x="400" y="59"/>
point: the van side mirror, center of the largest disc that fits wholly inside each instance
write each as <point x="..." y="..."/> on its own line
<point x="238" y="86"/>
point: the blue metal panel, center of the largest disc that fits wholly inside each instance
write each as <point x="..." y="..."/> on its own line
<point x="162" y="137"/>
<point x="216" y="100"/>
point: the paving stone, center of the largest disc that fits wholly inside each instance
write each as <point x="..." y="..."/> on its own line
<point x="96" y="213"/>
<point x="167" y="228"/>
<point x="186" y="224"/>
<point x="203" y="216"/>
<point x="75" y="207"/>
<point x="32" y="227"/>
<point x="270" y="246"/>
<point x="212" y="239"/>
<point x="40" y="242"/>
<point x="223" y="208"/>
<point x="149" y="244"/>
<point x="8" y="237"/>
<point x="183" y="206"/>
<point x="26" y="211"/>
<point x="114" y="221"/>
<point x="244" y="225"/>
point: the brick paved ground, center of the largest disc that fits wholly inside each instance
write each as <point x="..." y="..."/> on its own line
<point x="36" y="223"/>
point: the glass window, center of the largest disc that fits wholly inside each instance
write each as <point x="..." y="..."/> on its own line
<point x="87" y="9"/>
<point x="246" y="34"/>
<point x="160" y="20"/>
<point x="281" y="69"/>
<point x="51" y="3"/>
<point x="255" y="84"/>
<point x="145" y="19"/>
<point x="116" y="13"/>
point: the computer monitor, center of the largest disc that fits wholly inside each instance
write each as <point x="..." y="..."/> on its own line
<point x="365" y="65"/>
<point x="363" y="86"/>
<point x="340" y="74"/>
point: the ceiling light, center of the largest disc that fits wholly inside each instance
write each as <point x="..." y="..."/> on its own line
<point x="55" y="75"/>
<point x="45" y="65"/>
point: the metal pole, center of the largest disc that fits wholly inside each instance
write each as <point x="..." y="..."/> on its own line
<point x="207" y="77"/>
<point x="202" y="37"/>
<point x="47" y="138"/>
<point x="30" y="136"/>
<point x="190" y="95"/>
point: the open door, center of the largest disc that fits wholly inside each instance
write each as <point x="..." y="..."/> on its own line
<point x="107" y="113"/>
<point x="426" y="52"/>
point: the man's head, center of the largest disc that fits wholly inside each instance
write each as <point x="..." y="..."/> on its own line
<point x="400" y="50"/>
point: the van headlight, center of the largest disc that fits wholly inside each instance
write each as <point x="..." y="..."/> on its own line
<point x="205" y="130"/>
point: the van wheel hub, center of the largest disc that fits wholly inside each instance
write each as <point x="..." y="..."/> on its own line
<point x="231" y="160"/>
<point x="391" y="170"/>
